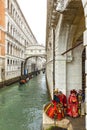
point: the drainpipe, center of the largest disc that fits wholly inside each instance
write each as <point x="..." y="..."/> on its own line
<point x="53" y="61"/>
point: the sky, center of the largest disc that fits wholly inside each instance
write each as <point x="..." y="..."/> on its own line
<point x="35" y="14"/>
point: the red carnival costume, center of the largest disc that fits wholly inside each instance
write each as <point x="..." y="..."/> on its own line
<point x="72" y="104"/>
<point x="54" y="109"/>
<point x="63" y="100"/>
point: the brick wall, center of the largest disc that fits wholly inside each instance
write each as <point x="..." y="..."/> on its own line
<point x="2" y="26"/>
<point x="2" y="13"/>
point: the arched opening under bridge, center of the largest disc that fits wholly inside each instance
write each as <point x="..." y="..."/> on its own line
<point x="33" y="64"/>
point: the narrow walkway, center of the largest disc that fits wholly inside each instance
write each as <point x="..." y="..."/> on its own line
<point x="21" y="107"/>
<point x="78" y="123"/>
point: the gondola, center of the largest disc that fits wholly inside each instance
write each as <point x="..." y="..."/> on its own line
<point x="22" y="81"/>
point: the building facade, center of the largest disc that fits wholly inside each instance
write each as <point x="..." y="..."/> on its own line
<point x="16" y="36"/>
<point x="2" y="39"/>
<point x="66" y="46"/>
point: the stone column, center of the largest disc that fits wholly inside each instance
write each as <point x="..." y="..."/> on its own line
<point x="60" y="60"/>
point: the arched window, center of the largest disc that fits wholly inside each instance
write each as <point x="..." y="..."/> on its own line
<point x="7" y="61"/>
<point x="11" y="29"/>
<point x="11" y="62"/>
<point x="8" y="4"/>
<point x="8" y="48"/>
<point x="11" y="49"/>
<point x="11" y="9"/>
<point x="8" y="27"/>
<point x="13" y="12"/>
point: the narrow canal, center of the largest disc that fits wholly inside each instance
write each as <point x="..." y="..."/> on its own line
<point x="21" y="107"/>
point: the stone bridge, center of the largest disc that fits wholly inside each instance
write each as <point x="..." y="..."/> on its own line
<point x="35" y="51"/>
<point x="35" y="56"/>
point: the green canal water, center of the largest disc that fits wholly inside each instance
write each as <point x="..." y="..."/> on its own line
<point x="21" y="107"/>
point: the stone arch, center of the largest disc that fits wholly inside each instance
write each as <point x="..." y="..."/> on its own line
<point x="74" y="56"/>
<point x="24" y="63"/>
<point x="74" y="65"/>
<point x="68" y="35"/>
